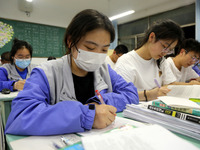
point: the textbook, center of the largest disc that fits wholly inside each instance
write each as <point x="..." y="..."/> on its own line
<point x="139" y="113"/>
<point x="176" y="114"/>
<point x="160" y="104"/>
<point x="178" y="102"/>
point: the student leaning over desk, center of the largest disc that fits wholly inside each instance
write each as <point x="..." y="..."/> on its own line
<point x="145" y="64"/>
<point x="59" y="97"/>
<point x="13" y="75"/>
<point x="181" y="65"/>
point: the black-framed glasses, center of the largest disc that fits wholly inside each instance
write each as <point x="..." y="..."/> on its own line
<point x="194" y="58"/>
<point x="167" y="49"/>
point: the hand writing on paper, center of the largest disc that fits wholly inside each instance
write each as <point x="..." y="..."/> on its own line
<point x="154" y="93"/>
<point x="19" y="85"/>
<point x="104" y="115"/>
<point x="163" y="91"/>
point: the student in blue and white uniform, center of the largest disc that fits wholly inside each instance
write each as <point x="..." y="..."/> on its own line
<point x="59" y="97"/>
<point x="146" y="63"/>
<point x="13" y="75"/>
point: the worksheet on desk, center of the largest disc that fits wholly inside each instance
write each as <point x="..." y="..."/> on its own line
<point x="151" y="137"/>
<point x="43" y="142"/>
<point x="119" y="121"/>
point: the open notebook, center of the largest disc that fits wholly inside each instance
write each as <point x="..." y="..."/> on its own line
<point x="184" y="91"/>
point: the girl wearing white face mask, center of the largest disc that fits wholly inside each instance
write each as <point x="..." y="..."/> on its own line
<point x="60" y="94"/>
<point x="14" y="74"/>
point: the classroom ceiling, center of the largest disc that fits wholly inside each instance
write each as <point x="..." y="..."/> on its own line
<point x="60" y="12"/>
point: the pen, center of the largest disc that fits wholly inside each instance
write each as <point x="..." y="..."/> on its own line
<point x="56" y="146"/>
<point x="66" y="141"/>
<point x="100" y="97"/>
<point x="156" y="82"/>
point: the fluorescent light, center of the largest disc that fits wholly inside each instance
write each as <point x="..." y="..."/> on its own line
<point x="121" y="15"/>
<point x="29" y="0"/>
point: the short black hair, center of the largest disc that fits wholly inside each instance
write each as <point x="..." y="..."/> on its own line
<point x="121" y="49"/>
<point x="51" y="57"/>
<point x="84" y="22"/>
<point x="5" y="56"/>
<point x="190" y="45"/>
<point x="17" y="45"/>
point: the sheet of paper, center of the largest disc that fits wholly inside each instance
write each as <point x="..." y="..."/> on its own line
<point x="42" y="142"/>
<point x="152" y="137"/>
<point x="184" y="91"/>
<point x="178" y="102"/>
<point x="119" y="121"/>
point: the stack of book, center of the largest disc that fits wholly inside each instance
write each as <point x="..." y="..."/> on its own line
<point x="178" y="114"/>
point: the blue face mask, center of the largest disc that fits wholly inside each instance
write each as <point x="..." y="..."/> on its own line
<point x="22" y="63"/>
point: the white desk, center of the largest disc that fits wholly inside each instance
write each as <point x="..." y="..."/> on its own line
<point x="5" y="102"/>
<point x="16" y="142"/>
<point x="5" y="108"/>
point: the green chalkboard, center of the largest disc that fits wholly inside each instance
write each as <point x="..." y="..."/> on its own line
<point x="45" y="40"/>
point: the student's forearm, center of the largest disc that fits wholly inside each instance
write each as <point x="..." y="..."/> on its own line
<point x="182" y="83"/>
<point x="198" y="79"/>
<point x="142" y="97"/>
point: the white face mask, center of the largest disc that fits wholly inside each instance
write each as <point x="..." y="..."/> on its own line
<point x="89" y="61"/>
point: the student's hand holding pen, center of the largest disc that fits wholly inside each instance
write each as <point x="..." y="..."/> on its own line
<point x="154" y="93"/>
<point x="104" y="115"/>
<point x="163" y="91"/>
<point x="19" y="85"/>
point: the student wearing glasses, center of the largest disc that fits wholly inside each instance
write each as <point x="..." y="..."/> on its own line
<point x="146" y="63"/>
<point x="60" y="98"/>
<point x="181" y="65"/>
<point x="14" y="74"/>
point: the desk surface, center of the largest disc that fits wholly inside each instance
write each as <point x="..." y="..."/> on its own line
<point x="11" y="138"/>
<point x="5" y="103"/>
<point x="8" y="97"/>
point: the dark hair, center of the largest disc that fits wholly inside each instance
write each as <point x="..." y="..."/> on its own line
<point x="51" y="57"/>
<point x="121" y="49"/>
<point x="85" y="21"/>
<point x="190" y="45"/>
<point x="17" y="45"/>
<point x="165" y="30"/>
<point x="5" y="56"/>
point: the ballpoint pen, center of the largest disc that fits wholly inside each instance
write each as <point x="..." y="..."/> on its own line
<point x="56" y="146"/>
<point x="156" y="82"/>
<point x="99" y="96"/>
<point x="66" y="141"/>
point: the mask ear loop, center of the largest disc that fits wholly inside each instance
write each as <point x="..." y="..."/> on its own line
<point x="76" y="49"/>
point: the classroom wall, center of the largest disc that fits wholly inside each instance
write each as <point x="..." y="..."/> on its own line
<point x="9" y="9"/>
<point x="37" y="61"/>
<point x="56" y="17"/>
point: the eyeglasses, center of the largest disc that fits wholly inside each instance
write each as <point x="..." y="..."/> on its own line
<point x="22" y="57"/>
<point x="167" y="49"/>
<point x="194" y="58"/>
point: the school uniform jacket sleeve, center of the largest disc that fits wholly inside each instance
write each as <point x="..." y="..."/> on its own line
<point x="32" y="113"/>
<point x="4" y="81"/>
<point x="123" y="92"/>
